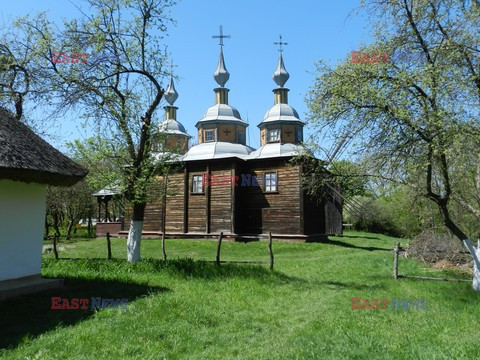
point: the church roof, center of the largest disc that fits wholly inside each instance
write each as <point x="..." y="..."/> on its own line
<point x="24" y="156"/>
<point x="217" y="150"/>
<point x="221" y="74"/>
<point x="172" y="126"/>
<point x="224" y="150"/>
<point x="171" y="94"/>
<point x="280" y="75"/>
<point x="281" y="112"/>
<point x="275" y="150"/>
<point x="222" y="112"/>
<point x="167" y="156"/>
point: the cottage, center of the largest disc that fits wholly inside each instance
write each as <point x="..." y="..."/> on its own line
<point x="27" y="165"/>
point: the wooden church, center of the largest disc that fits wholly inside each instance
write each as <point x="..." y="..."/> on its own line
<point x="223" y="185"/>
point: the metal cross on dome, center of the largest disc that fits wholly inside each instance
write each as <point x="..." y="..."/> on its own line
<point x="280" y="43"/>
<point x="221" y="36"/>
<point x="172" y="65"/>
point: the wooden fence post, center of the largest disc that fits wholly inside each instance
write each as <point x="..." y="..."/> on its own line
<point x="163" y="247"/>
<point x="109" y="247"/>
<point x="396" y="250"/>
<point x="218" y="248"/>
<point x="270" y="249"/>
<point x="55" y="246"/>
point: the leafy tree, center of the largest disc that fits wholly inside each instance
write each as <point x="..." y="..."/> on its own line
<point x="351" y="178"/>
<point x="55" y="211"/>
<point x="466" y="175"/>
<point x="14" y="80"/>
<point x="25" y="80"/>
<point x="66" y="206"/>
<point x="79" y="204"/>
<point x="121" y="92"/>
<point x="408" y="114"/>
<point x="104" y="160"/>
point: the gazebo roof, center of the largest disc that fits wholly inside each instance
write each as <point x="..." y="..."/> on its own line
<point x="24" y="156"/>
<point x="110" y="191"/>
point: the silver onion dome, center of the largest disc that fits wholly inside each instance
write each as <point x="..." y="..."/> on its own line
<point x="281" y="75"/>
<point x="171" y="94"/>
<point x="172" y="126"/>
<point x="222" y="113"/>
<point x="281" y="112"/>
<point x="221" y="74"/>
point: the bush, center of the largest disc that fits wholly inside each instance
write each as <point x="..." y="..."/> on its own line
<point x="372" y="215"/>
<point x="435" y="245"/>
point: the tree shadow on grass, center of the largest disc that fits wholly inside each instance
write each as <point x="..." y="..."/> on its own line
<point x="350" y="285"/>
<point x="208" y="270"/>
<point x="347" y="245"/>
<point x="28" y="316"/>
<point x="179" y="267"/>
<point x="187" y="267"/>
<point x="358" y="236"/>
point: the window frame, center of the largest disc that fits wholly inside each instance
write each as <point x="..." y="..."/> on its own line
<point x="240" y="137"/>
<point x="202" y="188"/>
<point x="298" y="134"/>
<point x="207" y="131"/>
<point x="279" y="135"/>
<point x="265" y="182"/>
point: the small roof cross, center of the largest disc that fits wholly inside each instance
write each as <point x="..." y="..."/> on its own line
<point x="280" y="43"/>
<point x="221" y="36"/>
<point x="172" y="65"/>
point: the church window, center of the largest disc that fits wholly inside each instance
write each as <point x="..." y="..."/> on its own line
<point x="241" y="137"/>
<point x="270" y="183"/>
<point x="209" y="135"/>
<point x="273" y="135"/>
<point x="197" y="185"/>
<point x="299" y="134"/>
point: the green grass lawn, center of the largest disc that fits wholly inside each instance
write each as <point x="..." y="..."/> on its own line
<point x="189" y="308"/>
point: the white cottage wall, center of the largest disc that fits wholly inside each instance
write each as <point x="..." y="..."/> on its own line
<point x="22" y="219"/>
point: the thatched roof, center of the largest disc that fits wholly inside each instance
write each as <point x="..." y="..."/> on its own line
<point x="24" y="156"/>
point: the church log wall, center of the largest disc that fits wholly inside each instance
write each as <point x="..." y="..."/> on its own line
<point x="196" y="202"/>
<point x="221" y="198"/>
<point x="279" y="212"/>
<point x="174" y="207"/>
<point x="333" y="207"/>
<point x="314" y="215"/>
<point x="154" y="208"/>
<point x="242" y="209"/>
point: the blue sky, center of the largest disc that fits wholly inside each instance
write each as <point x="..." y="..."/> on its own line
<point x="314" y="29"/>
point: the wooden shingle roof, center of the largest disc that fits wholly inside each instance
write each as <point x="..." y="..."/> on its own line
<point x="24" y="156"/>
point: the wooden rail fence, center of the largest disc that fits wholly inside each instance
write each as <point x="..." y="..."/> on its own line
<point x="218" y="253"/>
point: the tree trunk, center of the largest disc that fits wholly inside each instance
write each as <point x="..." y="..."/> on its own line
<point x="69" y="229"/>
<point x="135" y="233"/>
<point x="468" y="244"/>
<point x="476" y="270"/>
<point x="89" y="224"/>
<point x="57" y="231"/>
<point x="56" y="224"/>
<point x="47" y="227"/>
<point x="476" y="263"/>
